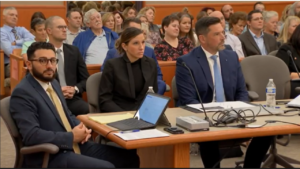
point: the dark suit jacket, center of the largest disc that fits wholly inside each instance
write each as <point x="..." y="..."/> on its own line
<point x="233" y="79"/>
<point x="250" y="47"/>
<point x="282" y="54"/>
<point x="75" y="68"/>
<point x="117" y="89"/>
<point x="149" y="52"/>
<point x="38" y="120"/>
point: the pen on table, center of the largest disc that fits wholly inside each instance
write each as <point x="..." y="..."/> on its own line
<point x="277" y="107"/>
<point x="130" y="131"/>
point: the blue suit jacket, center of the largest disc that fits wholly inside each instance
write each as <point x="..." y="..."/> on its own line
<point x="113" y="53"/>
<point x="38" y="120"/>
<point x="233" y="79"/>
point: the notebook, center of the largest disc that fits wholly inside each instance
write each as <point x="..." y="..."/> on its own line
<point x="148" y="114"/>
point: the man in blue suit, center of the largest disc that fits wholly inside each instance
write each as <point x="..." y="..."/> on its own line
<point x="41" y="114"/>
<point x="149" y="52"/>
<point x="218" y="78"/>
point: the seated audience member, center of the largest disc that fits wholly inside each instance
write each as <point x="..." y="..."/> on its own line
<point x="295" y="9"/>
<point x="125" y="4"/>
<point x="271" y="23"/>
<point x="104" y="5"/>
<point x="200" y="15"/>
<point x="230" y="39"/>
<point x="40" y="111"/>
<point x="125" y="80"/>
<point x="143" y="19"/>
<point x="37" y="15"/>
<point x="108" y="21"/>
<point x="171" y="48"/>
<point x="149" y="52"/>
<point x="74" y="18"/>
<point x="186" y="27"/>
<point x="227" y="11"/>
<point x="119" y="19"/>
<point x="208" y="10"/>
<point x="284" y="15"/>
<point x="38" y="30"/>
<point x="289" y="27"/>
<point x="12" y="36"/>
<point x="88" y="6"/>
<point x="255" y="41"/>
<point x="218" y="77"/>
<point x="72" y="72"/>
<point x="154" y="32"/>
<point x="259" y="6"/>
<point x="237" y="23"/>
<point x="129" y="12"/>
<point x="292" y="46"/>
<point x="94" y="43"/>
<point x="118" y="6"/>
<point x="145" y="28"/>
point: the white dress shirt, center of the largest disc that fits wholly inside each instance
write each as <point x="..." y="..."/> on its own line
<point x="211" y="67"/>
<point x="235" y="44"/>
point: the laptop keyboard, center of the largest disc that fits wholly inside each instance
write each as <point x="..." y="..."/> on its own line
<point x="129" y="124"/>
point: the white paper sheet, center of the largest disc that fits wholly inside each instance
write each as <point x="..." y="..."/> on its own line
<point x="295" y="102"/>
<point x="142" y="134"/>
<point x="215" y="106"/>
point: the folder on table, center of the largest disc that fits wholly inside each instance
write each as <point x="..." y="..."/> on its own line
<point x="104" y="119"/>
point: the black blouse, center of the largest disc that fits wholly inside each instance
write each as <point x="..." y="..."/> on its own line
<point x="138" y="76"/>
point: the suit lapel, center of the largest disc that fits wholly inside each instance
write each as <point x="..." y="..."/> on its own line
<point x="130" y="76"/>
<point x="267" y="46"/>
<point x="146" y="70"/>
<point x="45" y="96"/>
<point x="202" y="60"/>
<point x="67" y="61"/>
<point x="252" y="41"/>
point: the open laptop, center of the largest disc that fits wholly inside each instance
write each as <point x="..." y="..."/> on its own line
<point x="148" y="114"/>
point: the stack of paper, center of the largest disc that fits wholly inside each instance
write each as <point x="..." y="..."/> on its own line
<point x="295" y="102"/>
<point x="104" y="119"/>
<point x="215" y="106"/>
<point x="143" y="134"/>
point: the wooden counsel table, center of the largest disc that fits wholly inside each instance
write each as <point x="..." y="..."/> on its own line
<point x="173" y="151"/>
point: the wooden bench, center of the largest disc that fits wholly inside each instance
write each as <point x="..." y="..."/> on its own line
<point x="17" y="68"/>
<point x="168" y="70"/>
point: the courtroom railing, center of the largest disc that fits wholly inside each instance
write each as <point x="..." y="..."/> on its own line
<point x="2" y="74"/>
<point x="17" y="68"/>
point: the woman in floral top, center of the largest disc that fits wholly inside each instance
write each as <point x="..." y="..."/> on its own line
<point x="171" y="47"/>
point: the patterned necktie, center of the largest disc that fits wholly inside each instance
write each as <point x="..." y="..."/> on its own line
<point x="60" y="71"/>
<point x="15" y="33"/>
<point x="62" y="115"/>
<point x="218" y="81"/>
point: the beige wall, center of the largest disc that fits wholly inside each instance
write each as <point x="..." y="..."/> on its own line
<point x="25" y="3"/>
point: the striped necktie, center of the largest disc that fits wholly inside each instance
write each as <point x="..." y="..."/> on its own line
<point x="15" y="33"/>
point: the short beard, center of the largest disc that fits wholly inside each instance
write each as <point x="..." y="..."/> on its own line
<point x="41" y="77"/>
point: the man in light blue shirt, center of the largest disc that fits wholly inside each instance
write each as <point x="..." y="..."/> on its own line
<point x="12" y="37"/>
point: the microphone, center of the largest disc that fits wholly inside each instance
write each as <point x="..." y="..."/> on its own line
<point x="206" y="117"/>
<point x="291" y="56"/>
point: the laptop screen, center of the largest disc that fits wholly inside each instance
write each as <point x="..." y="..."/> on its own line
<point x="152" y="107"/>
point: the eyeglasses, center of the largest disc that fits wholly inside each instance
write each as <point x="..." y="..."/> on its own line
<point x="45" y="61"/>
<point x="62" y="27"/>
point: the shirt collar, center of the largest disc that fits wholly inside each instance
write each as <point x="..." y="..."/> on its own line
<point x="8" y="28"/>
<point x="69" y="32"/>
<point x="61" y="48"/>
<point x="208" y="55"/>
<point x="253" y="35"/>
<point x="43" y="84"/>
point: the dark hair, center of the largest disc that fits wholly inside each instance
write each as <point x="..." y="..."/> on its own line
<point x="127" y="21"/>
<point x="202" y="26"/>
<point x="168" y="20"/>
<point x="36" y="21"/>
<point x="190" y="34"/>
<point x="38" y="15"/>
<point x="110" y="8"/>
<point x="125" y="4"/>
<point x="249" y="17"/>
<point x="117" y="12"/>
<point x="71" y="5"/>
<point x="126" y="36"/>
<point x="74" y="10"/>
<point x="80" y="4"/>
<point x="235" y="17"/>
<point x="258" y="3"/>
<point x="36" y="46"/>
<point x="207" y="8"/>
<point x="201" y="14"/>
<point x="295" y="39"/>
<point x="126" y="10"/>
